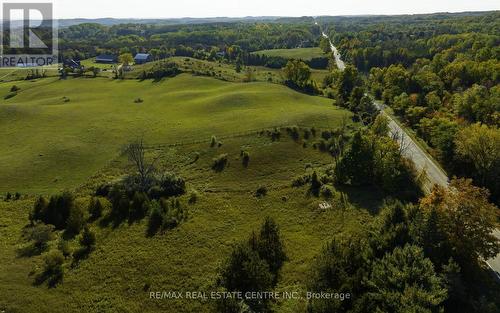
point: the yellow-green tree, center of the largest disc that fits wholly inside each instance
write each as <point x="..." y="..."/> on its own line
<point x="480" y="145"/>
<point x="126" y="59"/>
<point x="297" y="72"/>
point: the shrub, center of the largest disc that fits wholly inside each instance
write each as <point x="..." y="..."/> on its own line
<point x="193" y="197"/>
<point x="56" y="212"/>
<point x="171" y="185"/>
<point x="219" y="163"/>
<point x="64" y="247"/>
<point x="174" y="213"/>
<point x="245" y="158"/>
<point x="275" y="134"/>
<point x="103" y="190"/>
<point x="120" y="203"/>
<point x="261" y="192"/>
<point x="307" y="134"/>
<point x="213" y="141"/>
<point x="87" y="239"/>
<point x="8" y="196"/>
<point x="95" y="209"/>
<point x="40" y="235"/>
<point x="52" y="271"/>
<point x="161" y="70"/>
<point x="315" y="184"/>
<point x="293" y="131"/>
<point x="14" y="88"/>
<point x="301" y="180"/>
<point x="17" y="196"/>
<point x="322" y="145"/>
<point x="327" y="191"/>
<point x="326" y="135"/>
<point x="138" y="100"/>
<point x="38" y="208"/>
<point x="75" y="221"/>
<point x="87" y="244"/>
<point x="139" y="206"/>
<point x="155" y="218"/>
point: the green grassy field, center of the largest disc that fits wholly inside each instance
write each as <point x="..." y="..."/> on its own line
<point x="9" y="74"/>
<point x="304" y="54"/>
<point x="102" y="66"/>
<point x="49" y="145"/>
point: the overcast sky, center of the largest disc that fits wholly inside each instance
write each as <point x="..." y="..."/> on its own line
<point x="238" y="8"/>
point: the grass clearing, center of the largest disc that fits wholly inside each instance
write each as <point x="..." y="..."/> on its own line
<point x="305" y="54"/>
<point x="50" y="143"/>
<point x="186" y="258"/>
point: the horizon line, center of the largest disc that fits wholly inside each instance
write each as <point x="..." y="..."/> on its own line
<point x="270" y="16"/>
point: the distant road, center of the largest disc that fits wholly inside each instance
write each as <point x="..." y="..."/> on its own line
<point x="336" y="53"/>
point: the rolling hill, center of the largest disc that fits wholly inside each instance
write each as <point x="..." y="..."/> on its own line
<point x="56" y="134"/>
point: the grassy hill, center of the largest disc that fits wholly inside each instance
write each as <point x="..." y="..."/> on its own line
<point x="304" y="54"/>
<point x="55" y="134"/>
<point x="50" y="144"/>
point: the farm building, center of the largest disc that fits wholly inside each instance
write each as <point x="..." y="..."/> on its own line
<point x="105" y="58"/>
<point x="141" y="58"/>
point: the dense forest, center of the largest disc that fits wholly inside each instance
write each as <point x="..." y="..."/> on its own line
<point x="440" y="74"/>
<point x="198" y="40"/>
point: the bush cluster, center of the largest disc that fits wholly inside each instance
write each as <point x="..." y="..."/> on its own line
<point x="9" y="196"/>
<point x="165" y="215"/>
<point x="220" y="163"/>
<point x="293" y="132"/>
<point x="274" y="134"/>
<point x="128" y="202"/>
<point x="161" y="70"/>
<point x="261" y="192"/>
<point x="60" y="211"/>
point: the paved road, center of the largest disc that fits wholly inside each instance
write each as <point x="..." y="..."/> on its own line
<point x="336" y="53"/>
<point x="433" y="175"/>
<point x="494" y="263"/>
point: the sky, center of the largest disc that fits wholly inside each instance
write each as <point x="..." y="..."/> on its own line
<point x="239" y="8"/>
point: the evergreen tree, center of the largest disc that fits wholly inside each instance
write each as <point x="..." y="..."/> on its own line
<point x="356" y="167"/>
<point x="405" y="281"/>
<point x="270" y="247"/>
